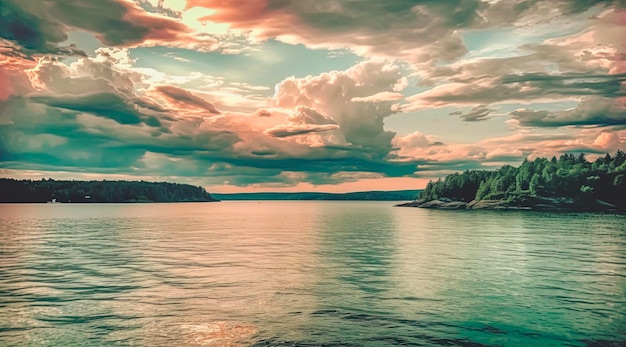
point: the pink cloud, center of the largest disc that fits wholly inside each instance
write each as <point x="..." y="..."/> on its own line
<point x="608" y="140"/>
<point x="364" y="184"/>
<point x="608" y="31"/>
<point x="442" y="159"/>
<point x="13" y="79"/>
<point x="379" y="97"/>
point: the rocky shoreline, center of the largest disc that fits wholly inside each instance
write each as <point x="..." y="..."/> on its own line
<point x="526" y="203"/>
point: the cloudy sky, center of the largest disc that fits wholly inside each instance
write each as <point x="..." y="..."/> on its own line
<point x="302" y="95"/>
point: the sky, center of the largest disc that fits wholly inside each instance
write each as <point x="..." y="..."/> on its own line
<point x="303" y="95"/>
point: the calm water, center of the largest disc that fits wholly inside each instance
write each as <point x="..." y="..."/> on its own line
<point x="308" y="274"/>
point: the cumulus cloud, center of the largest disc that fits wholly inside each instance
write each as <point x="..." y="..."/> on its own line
<point x="414" y="145"/>
<point x="14" y="80"/>
<point x="360" y="123"/>
<point x="608" y="141"/>
<point x="106" y="71"/>
<point x="90" y="115"/>
<point x="415" y="139"/>
<point x="99" y="85"/>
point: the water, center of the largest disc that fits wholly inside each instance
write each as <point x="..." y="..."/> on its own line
<point x="308" y="274"/>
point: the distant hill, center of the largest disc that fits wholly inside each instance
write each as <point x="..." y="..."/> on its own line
<point x="399" y="195"/>
<point x="24" y="191"/>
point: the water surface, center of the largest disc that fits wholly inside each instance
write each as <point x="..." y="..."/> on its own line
<point x="308" y="274"/>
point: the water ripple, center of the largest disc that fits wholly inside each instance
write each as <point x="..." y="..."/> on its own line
<point x="308" y="274"/>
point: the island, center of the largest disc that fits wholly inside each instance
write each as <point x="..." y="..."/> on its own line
<point x="569" y="183"/>
<point x="53" y="191"/>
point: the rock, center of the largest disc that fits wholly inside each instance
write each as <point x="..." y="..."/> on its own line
<point x="432" y="204"/>
<point x="486" y="204"/>
<point x="534" y="203"/>
<point x="414" y="203"/>
<point x="438" y="204"/>
<point x="454" y="205"/>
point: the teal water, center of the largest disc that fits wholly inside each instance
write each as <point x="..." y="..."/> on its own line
<point x="308" y="274"/>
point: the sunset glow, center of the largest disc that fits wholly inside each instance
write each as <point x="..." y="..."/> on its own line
<point x="334" y="96"/>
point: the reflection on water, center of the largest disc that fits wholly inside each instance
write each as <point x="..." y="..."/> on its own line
<point x="308" y="273"/>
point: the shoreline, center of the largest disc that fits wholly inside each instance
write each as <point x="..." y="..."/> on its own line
<point x="539" y="204"/>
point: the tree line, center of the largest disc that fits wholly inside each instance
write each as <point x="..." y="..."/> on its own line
<point x="570" y="176"/>
<point x="47" y="190"/>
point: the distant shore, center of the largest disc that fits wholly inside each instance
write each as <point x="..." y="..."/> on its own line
<point x="374" y="195"/>
<point x="54" y="192"/>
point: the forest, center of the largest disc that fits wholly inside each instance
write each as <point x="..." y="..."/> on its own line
<point x="570" y="177"/>
<point x="49" y="190"/>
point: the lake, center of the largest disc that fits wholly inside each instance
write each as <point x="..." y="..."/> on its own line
<point x="298" y="273"/>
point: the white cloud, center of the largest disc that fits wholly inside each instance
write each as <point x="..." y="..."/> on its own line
<point x="333" y="94"/>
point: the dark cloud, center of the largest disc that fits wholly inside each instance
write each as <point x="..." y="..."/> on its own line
<point x="569" y="84"/>
<point x="591" y="111"/>
<point x="28" y="30"/>
<point x="46" y="137"/>
<point x="576" y="60"/>
<point x="419" y="31"/>
<point x="301" y="129"/>
<point x="147" y="5"/>
<point x="264" y="152"/>
<point x="40" y="26"/>
<point x="324" y="161"/>
<point x="58" y="138"/>
<point x="577" y="6"/>
<point x="523" y="87"/>
<point x="108" y="105"/>
<point x="181" y="96"/>
<point x="478" y="113"/>
<point x="262" y="113"/>
<point x="67" y="136"/>
<point x="519" y="12"/>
